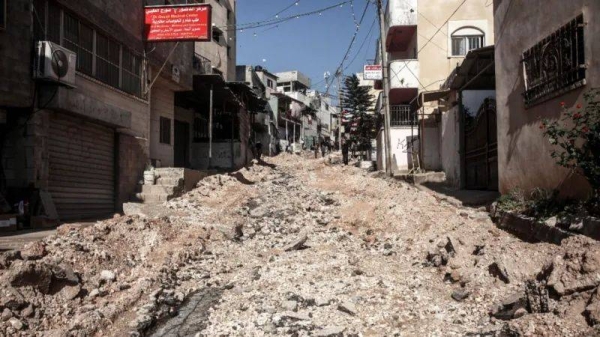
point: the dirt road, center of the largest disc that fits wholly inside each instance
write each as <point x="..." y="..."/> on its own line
<point x="300" y="247"/>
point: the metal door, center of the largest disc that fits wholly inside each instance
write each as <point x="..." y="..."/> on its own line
<point x="481" y="148"/>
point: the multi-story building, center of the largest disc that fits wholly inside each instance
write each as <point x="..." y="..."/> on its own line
<point x="85" y="136"/>
<point x="221" y="52"/>
<point x="119" y="105"/>
<point x="424" y="42"/>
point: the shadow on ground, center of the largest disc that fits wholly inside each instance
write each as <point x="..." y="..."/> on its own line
<point x="470" y="198"/>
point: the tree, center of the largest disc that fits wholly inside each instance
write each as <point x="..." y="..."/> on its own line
<point x="357" y="101"/>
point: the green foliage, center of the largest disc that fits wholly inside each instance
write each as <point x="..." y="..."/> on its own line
<point x="540" y="204"/>
<point x="576" y="137"/>
<point x="358" y="101"/>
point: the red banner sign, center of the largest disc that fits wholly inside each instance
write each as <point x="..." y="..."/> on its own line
<point x="178" y="23"/>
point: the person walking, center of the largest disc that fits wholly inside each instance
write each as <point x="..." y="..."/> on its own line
<point x="323" y="147"/>
<point x="345" y="151"/>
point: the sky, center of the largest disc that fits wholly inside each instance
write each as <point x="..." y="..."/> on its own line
<point x="312" y="44"/>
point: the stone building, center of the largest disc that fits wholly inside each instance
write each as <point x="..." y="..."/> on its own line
<point x="425" y="41"/>
<point x="528" y="41"/>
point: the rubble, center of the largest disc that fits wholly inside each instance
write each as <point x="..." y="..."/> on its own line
<point x="230" y="258"/>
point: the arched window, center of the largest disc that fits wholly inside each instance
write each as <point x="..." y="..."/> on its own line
<point x="466" y="39"/>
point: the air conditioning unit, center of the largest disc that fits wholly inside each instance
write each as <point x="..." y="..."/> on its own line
<point x="54" y="63"/>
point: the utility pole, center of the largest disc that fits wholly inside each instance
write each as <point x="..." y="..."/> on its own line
<point x="386" y="89"/>
<point x="340" y="123"/>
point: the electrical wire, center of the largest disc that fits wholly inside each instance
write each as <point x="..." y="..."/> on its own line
<point x="340" y="69"/>
<point x="271" y="22"/>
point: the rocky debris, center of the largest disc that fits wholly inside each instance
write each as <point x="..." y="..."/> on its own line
<point x="108" y="276"/>
<point x="334" y="331"/>
<point x="23" y="274"/>
<point x="575" y="272"/>
<point x="460" y="295"/>
<point x="498" y="270"/>
<point x="298" y="243"/>
<point x="212" y="263"/>
<point x="34" y="251"/>
<point x="6" y="258"/>
<point x="347" y="307"/>
<point x="506" y="309"/>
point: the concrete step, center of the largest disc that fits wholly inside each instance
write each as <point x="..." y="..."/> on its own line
<point x="146" y="198"/>
<point x="169" y="172"/>
<point x="160" y="189"/>
<point x="169" y="181"/>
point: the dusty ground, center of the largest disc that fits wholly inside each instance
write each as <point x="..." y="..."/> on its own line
<point x="300" y="247"/>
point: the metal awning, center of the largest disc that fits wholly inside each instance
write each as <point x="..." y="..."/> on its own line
<point x="477" y="71"/>
<point x="247" y="95"/>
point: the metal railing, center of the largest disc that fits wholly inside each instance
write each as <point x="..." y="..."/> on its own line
<point x="402" y="116"/>
<point x="201" y="65"/>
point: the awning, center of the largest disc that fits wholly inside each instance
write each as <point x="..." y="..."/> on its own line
<point x="199" y="98"/>
<point x="477" y="71"/>
<point x="431" y="96"/>
<point x="247" y="95"/>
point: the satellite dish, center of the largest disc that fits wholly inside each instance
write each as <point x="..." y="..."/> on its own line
<point x="60" y="63"/>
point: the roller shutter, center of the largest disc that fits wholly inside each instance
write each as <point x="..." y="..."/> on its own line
<point x="81" y="160"/>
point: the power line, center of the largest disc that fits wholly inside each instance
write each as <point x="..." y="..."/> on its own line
<point x="340" y="69"/>
<point x="295" y="3"/>
<point x="362" y="45"/>
<point x="271" y="22"/>
<point x="445" y="22"/>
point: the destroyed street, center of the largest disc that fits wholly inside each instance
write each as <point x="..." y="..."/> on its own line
<point x="298" y="247"/>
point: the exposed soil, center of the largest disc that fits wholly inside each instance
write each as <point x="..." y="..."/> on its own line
<point x="300" y="247"/>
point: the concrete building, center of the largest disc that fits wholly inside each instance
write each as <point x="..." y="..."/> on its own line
<point x="425" y="41"/>
<point x="88" y="137"/>
<point x="221" y="52"/>
<point x="570" y="30"/>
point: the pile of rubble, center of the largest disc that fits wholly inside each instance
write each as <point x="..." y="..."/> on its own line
<point x="304" y="248"/>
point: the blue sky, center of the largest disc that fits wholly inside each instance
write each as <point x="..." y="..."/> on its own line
<point x="311" y="44"/>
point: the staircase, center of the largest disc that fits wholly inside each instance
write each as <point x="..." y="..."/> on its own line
<point x="169" y="184"/>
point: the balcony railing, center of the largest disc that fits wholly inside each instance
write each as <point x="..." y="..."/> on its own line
<point x="404" y="74"/>
<point x="401" y="115"/>
<point x="201" y="65"/>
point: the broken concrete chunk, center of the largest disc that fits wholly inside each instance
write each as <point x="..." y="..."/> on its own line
<point x="32" y="274"/>
<point x="508" y="307"/>
<point x="460" y="295"/>
<point x="334" y="331"/>
<point x="537" y="297"/>
<point x="34" y="251"/>
<point x="298" y="244"/>
<point x="107" y="276"/>
<point x="347" y="307"/>
<point x="497" y="270"/>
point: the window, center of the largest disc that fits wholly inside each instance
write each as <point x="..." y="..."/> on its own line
<point x="556" y="64"/>
<point x="2" y="14"/>
<point x="465" y="40"/>
<point x="132" y="69"/>
<point x="108" y="58"/>
<point x="401" y="116"/>
<point x="165" y="130"/>
<point x="98" y="55"/>
<point x="200" y="129"/>
<point x="228" y="51"/>
<point x="270" y="83"/>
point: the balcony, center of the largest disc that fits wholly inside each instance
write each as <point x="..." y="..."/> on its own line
<point x="201" y="65"/>
<point x="404" y="81"/>
<point x="401" y="24"/>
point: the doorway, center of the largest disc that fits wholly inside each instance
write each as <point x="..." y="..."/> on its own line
<point x="182" y="144"/>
